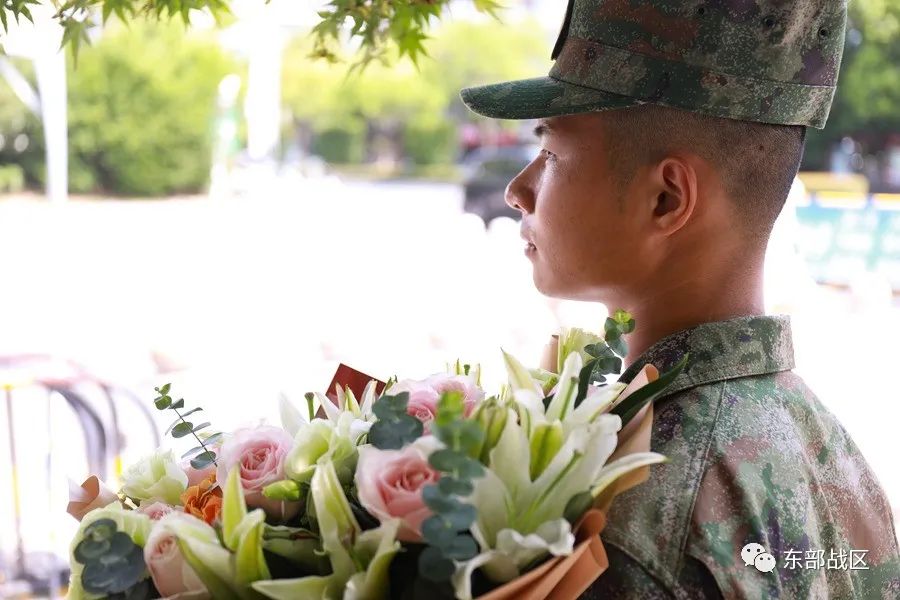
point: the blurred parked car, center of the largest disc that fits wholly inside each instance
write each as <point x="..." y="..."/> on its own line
<point x="487" y="171"/>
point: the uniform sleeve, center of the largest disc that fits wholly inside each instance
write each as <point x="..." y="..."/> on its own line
<point x="626" y="579"/>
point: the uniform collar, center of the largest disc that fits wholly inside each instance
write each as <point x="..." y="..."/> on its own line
<point x="740" y="347"/>
<point x="654" y="529"/>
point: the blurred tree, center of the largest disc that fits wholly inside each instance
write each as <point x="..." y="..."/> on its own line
<point x="21" y="134"/>
<point x="403" y="110"/>
<point x="868" y="93"/>
<point x="141" y="105"/>
<point x="381" y="27"/>
<point x="459" y="50"/>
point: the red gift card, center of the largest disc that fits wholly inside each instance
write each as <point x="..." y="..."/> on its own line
<point x="356" y="380"/>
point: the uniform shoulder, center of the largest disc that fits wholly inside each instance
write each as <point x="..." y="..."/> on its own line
<point x="782" y="472"/>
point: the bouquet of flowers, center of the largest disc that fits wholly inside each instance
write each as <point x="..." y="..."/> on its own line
<point x="404" y="489"/>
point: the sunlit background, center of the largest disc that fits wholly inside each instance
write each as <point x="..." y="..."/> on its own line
<point x="215" y="209"/>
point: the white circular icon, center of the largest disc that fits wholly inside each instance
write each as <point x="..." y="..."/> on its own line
<point x="764" y="562"/>
<point x="750" y="552"/>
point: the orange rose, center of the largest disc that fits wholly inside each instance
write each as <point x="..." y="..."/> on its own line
<point x="203" y="500"/>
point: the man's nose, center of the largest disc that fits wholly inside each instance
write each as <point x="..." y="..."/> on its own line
<point x="519" y="193"/>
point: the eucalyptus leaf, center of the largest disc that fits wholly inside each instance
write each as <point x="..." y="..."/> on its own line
<point x="163" y="402"/>
<point x="438" y="531"/>
<point x="172" y="425"/>
<point x="212" y="440"/>
<point x="203" y="460"/>
<point x="190" y="412"/>
<point x="395" y="433"/>
<point x="619" y="346"/>
<point x="451" y="408"/>
<point x="453" y="486"/>
<point x="193" y="451"/>
<point x="445" y="460"/>
<point x="182" y="429"/>
<point x="462" y="517"/>
<point x="177" y="405"/>
<point x="437" y="500"/>
<point x="390" y="407"/>
<point x="101" y="529"/>
<point x="608" y="365"/>
<point x="611" y="329"/>
<point x="469" y="436"/>
<point x="463" y="547"/>
<point x="89" y="550"/>
<point x="120" y="545"/>
<point x="434" y="566"/>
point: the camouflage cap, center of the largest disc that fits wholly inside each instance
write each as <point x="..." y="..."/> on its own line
<point x="771" y="61"/>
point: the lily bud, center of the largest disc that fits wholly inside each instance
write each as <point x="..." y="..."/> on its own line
<point x="546" y="440"/>
<point x="492" y="419"/>
<point x="546" y="379"/>
<point x="287" y="490"/>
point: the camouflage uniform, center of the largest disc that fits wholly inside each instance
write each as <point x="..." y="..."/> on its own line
<point x="754" y="458"/>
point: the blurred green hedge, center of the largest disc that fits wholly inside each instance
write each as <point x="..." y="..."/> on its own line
<point x="342" y="144"/>
<point x="141" y="107"/>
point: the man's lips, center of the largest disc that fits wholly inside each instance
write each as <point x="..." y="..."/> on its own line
<point x="529" y="239"/>
<point x="527" y="235"/>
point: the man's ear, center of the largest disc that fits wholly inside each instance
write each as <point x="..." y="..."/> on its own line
<point x="676" y="193"/>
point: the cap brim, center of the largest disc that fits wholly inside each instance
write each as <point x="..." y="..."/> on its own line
<point x="538" y="98"/>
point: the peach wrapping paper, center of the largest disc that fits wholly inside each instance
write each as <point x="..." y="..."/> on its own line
<point x="92" y="494"/>
<point x="567" y="577"/>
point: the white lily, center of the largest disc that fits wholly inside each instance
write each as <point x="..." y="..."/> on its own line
<point x="458" y="368"/>
<point x="513" y="551"/>
<point x="228" y="571"/>
<point x="324" y="441"/>
<point x="533" y="474"/>
<point x="347" y="410"/>
<point x="359" y="560"/>
<point x="508" y="497"/>
<point x="575" y="340"/>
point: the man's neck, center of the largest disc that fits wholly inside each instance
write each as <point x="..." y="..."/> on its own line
<point x="668" y="308"/>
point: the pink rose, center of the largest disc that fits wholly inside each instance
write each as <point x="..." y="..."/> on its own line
<point x="259" y="454"/>
<point x="389" y="484"/>
<point x="156" y="510"/>
<point x="424" y="395"/>
<point x="171" y="574"/>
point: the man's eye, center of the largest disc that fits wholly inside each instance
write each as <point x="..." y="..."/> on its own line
<point x="547" y="154"/>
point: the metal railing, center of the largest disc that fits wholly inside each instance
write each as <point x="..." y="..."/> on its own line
<point x="97" y="407"/>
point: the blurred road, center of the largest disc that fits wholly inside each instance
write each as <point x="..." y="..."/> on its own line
<point x="263" y="296"/>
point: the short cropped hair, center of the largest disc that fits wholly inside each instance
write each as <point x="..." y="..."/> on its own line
<point x="757" y="161"/>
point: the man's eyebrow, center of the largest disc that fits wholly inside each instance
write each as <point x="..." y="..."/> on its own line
<point x="542" y="129"/>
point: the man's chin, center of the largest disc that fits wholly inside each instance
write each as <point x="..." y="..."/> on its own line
<point x="549" y="287"/>
<point x="553" y="288"/>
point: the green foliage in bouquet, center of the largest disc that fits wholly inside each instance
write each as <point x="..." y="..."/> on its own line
<point x="635" y="402"/>
<point x="201" y="456"/>
<point x="394" y="428"/>
<point x="447" y="531"/>
<point x="605" y="359"/>
<point x="113" y="563"/>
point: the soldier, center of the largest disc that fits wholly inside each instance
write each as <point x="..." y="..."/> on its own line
<point x="671" y="133"/>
